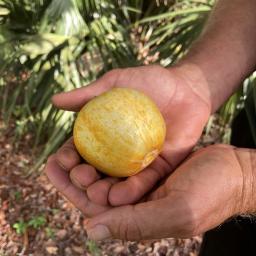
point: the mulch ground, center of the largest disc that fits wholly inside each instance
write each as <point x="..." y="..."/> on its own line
<point x="36" y="220"/>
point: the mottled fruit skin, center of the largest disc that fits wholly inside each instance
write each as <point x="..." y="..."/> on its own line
<point x="119" y="132"/>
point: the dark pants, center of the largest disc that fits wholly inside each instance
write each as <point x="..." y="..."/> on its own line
<point x="236" y="237"/>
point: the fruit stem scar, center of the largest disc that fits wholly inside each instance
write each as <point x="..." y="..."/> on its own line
<point x="149" y="157"/>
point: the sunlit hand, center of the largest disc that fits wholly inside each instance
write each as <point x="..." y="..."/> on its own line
<point x="214" y="184"/>
<point x="182" y="97"/>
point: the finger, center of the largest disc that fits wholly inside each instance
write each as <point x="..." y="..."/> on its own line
<point x="98" y="192"/>
<point x="60" y="179"/>
<point x="67" y="156"/>
<point x="135" y="187"/>
<point x="84" y="175"/>
<point x="75" y="99"/>
<point x="150" y="220"/>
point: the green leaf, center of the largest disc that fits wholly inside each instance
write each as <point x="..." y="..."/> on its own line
<point x="250" y="106"/>
<point x="37" y="222"/>
<point x="4" y="11"/>
<point x="169" y="15"/>
<point x="20" y="227"/>
<point x="42" y="44"/>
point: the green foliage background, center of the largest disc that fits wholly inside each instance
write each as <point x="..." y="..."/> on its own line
<point x="48" y="46"/>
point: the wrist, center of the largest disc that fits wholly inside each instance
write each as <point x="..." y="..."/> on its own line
<point x="220" y="81"/>
<point x="225" y="50"/>
<point x="247" y="161"/>
<point x="192" y="75"/>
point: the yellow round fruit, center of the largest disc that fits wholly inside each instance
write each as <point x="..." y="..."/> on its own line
<point x="119" y="132"/>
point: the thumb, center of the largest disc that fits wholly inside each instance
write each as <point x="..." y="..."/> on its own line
<point x="75" y="99"/>
<point x="150" y="220"/>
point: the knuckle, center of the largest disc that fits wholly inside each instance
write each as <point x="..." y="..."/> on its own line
<point x="76" y="182"/>
<point x="129" y="229"/>
<point x="66" y="151"/>
<point x="67" y="158"/>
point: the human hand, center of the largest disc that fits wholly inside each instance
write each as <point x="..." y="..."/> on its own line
<point x="214" y="184"/>
<point x="182" y="97"/>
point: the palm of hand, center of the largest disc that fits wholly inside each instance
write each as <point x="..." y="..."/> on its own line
<point x="184" y="111"/>
<point x="203" y="192"/>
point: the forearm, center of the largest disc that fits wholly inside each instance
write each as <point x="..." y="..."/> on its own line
<point x="225" y="53"/>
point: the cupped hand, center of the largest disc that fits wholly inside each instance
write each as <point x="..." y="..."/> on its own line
<point x="203" y="192"/>
<point x="182" y="97"/>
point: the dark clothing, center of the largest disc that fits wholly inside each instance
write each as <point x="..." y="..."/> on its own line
<point x="241" y="132"/>
<point x="236" y="237"/>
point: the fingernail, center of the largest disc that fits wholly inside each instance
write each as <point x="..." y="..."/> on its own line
<point x="76" y="182"/>
<point x="99" y="232"/>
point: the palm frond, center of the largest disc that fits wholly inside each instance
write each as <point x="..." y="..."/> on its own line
<point x="250" y="103"/>
<point x="58" y="45"/>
